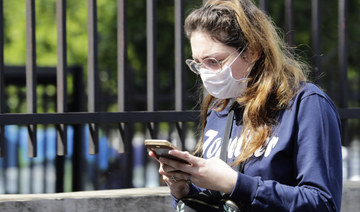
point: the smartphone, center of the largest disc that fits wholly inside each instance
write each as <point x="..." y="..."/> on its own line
<point x="162" y="148"/>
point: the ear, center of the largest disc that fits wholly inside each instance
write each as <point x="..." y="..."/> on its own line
<point x="251" y="56"/>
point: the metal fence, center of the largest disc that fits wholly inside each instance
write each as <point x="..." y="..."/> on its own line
<point x="125" y="118"/>
<point x="93" y="118"/>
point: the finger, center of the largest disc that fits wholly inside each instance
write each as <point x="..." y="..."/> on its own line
<point x="166" y="179"/>
<point x="185" y="156"/>
<point x="168" y="170"/>
<point x="177" y="166"/>
<point x="171" y="180"/>
<point x="180" y="176"/>
<point x="163" y="171"/>
<point x="153" y="155"/>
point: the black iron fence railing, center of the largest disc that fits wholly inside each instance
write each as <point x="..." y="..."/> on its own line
<point x="125" y="117"/>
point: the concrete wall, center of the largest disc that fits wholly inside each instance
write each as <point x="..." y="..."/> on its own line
<point x="351" y="197"/>
<point x="138" y="200"/>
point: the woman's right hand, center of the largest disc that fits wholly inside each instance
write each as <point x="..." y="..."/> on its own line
<point x="179" y="187"/>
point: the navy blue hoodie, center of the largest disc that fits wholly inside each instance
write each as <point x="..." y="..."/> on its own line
<point x="299" y="169"/>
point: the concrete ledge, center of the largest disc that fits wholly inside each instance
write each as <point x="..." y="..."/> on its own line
<point x="351" y="196"/>
<point x="138" y="199"/>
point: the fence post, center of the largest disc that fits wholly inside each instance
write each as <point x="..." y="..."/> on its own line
<point x="61" y="84"/>
<point x="264" y="5"/>
<point x="179" y="66"/>
<point x="2" y="81"/>
<point x="152" y="72"/>
<point x="316" y="39"/>
<point x="31" y="73"/>
<point x="124" y="99"/>
<point x="289" y="22"/>
<point x="93" y="77"/>
<point x="78" y="99"/>
<point x="343" y="63"/>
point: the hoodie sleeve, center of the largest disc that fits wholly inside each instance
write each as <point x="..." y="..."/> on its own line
<point x="317" y="165"/>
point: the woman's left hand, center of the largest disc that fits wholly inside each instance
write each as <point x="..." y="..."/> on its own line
<point x="211" y="173"/>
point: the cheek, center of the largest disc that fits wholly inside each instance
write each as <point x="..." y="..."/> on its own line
<point x="236" y="74"/>
<point x="239" y="69"/>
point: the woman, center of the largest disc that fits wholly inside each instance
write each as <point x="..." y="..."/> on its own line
<point x="287" y="132"/>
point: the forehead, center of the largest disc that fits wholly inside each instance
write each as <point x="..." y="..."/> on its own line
<point x="203" y="45"/>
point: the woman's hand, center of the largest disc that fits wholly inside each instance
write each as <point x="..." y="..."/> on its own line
<point x="211" y="173"/>
<point x="176" y="180"/>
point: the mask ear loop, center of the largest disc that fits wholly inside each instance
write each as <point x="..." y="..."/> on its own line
<point x="237" y="56"/>
<point x="247" y="75"/>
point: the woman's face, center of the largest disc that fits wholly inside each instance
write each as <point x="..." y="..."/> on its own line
<point x="203" y="47"/>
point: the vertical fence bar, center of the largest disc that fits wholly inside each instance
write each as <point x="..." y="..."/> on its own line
<point x="61" y="82"/>
<point x="78" y="105"/>
<point x="152" y="72"/>
<point x="122" y="61"/>
<point x="123" y="89"/>
<point x="179" y="65"/>
<point x="316" y="39"/>
<point x="289" y="22"/>
<point x="122" y="53"/>
<point x="122" y="73"/>
<point x="179" y="55"/>
<point x="343" y="62"/>
<point x="93" y="79"/>
<point x="31" y="73"/>
<point x="61" y="85"/>
<point x="264" y="5"/>
<point x="45" y="104"/>
<point x="2" y="81"/>
<point x="343" y="52"/>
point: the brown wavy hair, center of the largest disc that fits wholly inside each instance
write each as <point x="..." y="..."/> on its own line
<point x="276" y="73"/>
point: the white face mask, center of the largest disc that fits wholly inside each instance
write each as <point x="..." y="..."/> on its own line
<point x="221" y="84"/>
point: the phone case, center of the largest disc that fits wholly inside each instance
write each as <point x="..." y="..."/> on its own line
<point x="162" y="148"/>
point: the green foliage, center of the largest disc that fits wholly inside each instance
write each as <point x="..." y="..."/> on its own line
<point x="14" y="32"/>
<point x="77" y="42"/>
